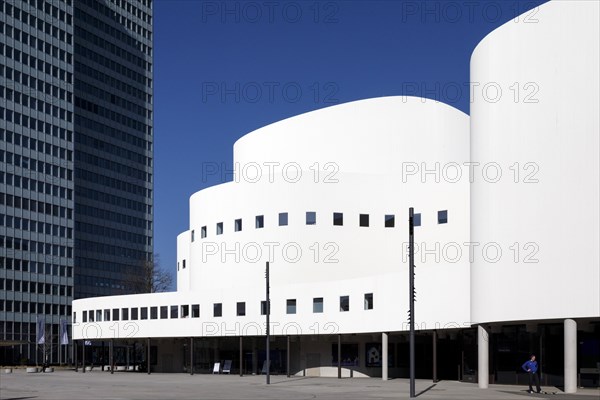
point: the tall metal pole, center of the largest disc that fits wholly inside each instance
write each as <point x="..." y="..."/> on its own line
<point x="411" y="292"/>
<point x="288" y="356"/>
<point x="241" y="356"/>
<point x="148" y="356"/>
<point x="268" y="312"/>
<point x="75" y="355"/>
<point x="83" y="357"/>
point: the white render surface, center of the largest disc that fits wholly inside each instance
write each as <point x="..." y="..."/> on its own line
<point x="559" y="135"/>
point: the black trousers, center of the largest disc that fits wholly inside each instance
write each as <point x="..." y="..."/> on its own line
<point x="534" y="377"/>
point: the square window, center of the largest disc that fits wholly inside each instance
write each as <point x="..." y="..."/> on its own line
<point x="174" y="312"/>
<point x="203" y="232"/>
<point x="241" y="309"/>
<point x="368" y="301"/>
<point x="291" y="306"/>
<point x="195" y="310"/>
<point x="84" y="316"/>
<point x="183" y="264"/>
<point x="390" y="221"/>
<point x="143" y="312"/>
<point x="218" y="310"/>
<point x="238" y="225"/>
<point x="107" y="315"/>
<point x="125" y="314"/>
<point x="134" y="314"/>
<point x="443" y="217"/>
<point x="193" y="235"/>
<point x="115" y="314"/>
<point x="260" y="221"/>
<point x="283" y="219"/>
<point x="416" y="219"/>
<point x="164" y="312"/>
<point x="311" y="218"/>
<point x="153" y="312"/>
<point x="185" y="311"/>
<point x="344" y="303"/>
<point x="263" y="307"/>
<point x="98" y="315"/>
<point x="219" y="228"/>
<point x="363" y="220"/>
<point x="91" y="316"/>
<point x="318" y="305"/>
<point x="338" y="219"/>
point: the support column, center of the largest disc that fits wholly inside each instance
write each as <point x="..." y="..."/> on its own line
<point x="241" y="356"/>
<point x="75" y="355"/>
<point x="83" y="357"/>
<point x="191" y="356"/>
<point x="148" y="356"/>
<point x="384" y="356"/>
<point x="483" y="357"/>
<point x="435" y="339"/>
<point x="339" y="356"/>
<point x="112" y="356"/>
<point x="570" y="327"/>
<point x="288" y="356"/>
<point x="254" y="357"/>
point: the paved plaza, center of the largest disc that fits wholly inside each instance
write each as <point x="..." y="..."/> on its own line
<point x="68" y="385"/>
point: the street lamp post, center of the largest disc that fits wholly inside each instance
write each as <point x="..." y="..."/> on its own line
<point x="411" y="291"/>
<point x="268" y="314"/>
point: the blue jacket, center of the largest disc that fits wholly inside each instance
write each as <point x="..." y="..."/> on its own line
<point x="532" y="365"/>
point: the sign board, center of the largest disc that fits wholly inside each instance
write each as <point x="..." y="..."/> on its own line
<point x="216" y="368"/>
<point x="227" y="367"/>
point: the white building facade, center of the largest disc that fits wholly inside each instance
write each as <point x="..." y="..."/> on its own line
<point x="507" y="237"/>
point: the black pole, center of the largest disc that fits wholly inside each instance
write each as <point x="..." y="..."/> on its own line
<point x="148" y="356"/>
<point x="75" y="355"/>
<point x="191" y="356"/>
<point x="83" y="357"/>
<point x="339" y="356"/>
<point x="288" y="356"/>
<point x="411" y="292"/>
<point x="241" y="356"/>
<point x="435" y="379"/>
<point x="268" y="312"/>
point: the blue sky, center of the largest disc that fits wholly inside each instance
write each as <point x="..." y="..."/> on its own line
<point x="225" y="68"/>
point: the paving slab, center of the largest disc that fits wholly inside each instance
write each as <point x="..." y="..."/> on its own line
<point x="71" y="385"/>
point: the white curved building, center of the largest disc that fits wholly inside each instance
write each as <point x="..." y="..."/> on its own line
<point x="506" y="266"/>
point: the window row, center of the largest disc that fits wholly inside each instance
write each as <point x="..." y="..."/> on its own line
<point x="110" y="30"/>
<point x="109" y="165"/>
<point x="110" y="97"/>
<point x="112" y="182"/>
<point x="36" y="247"/>
<point x="185" y="311"/>
<point x="35" y="206"/>
<point x="36" y="226"/>
<point x="45" y="7"/>
<point x="123" y="20"/>
<point x="110" y="47"/>
<point x="35" y="267"/>
<point x="109" y="114"/>
<point x="106" y="215"/>
<point x="39" y="23"/>
<point x="106" y="232"/>
<point x="39" y="145"/>
<point x="35" y="165"/>
<point x="115" y="150"/>
<point x="34" y="308"/>
<point x="106" y="249"/>
<point x="37" y="186"/>
<point x="112" y="82"/>
<point x="106" y="62"/>
<point x="41" y="85"/>
<point x="42" y="46"/>
<point x="35" y="287"/>
<point x="113" y="200"/>
<point x="389" y="221"/>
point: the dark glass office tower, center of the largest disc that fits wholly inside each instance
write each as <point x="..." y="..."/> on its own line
<point x="75" y="161"/>
<point x="113" y="144"/>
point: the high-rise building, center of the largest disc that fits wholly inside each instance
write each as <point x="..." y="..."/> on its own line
<point x="75" y="161"/>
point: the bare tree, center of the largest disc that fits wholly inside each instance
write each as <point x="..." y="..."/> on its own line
<point x="152" y="278"/>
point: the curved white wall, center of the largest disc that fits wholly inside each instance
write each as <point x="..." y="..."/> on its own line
<point x="553" y="124"/>
<point x="366" y="142"/>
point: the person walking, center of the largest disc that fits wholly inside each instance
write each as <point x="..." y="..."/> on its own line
<point x="531" y="367"/>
